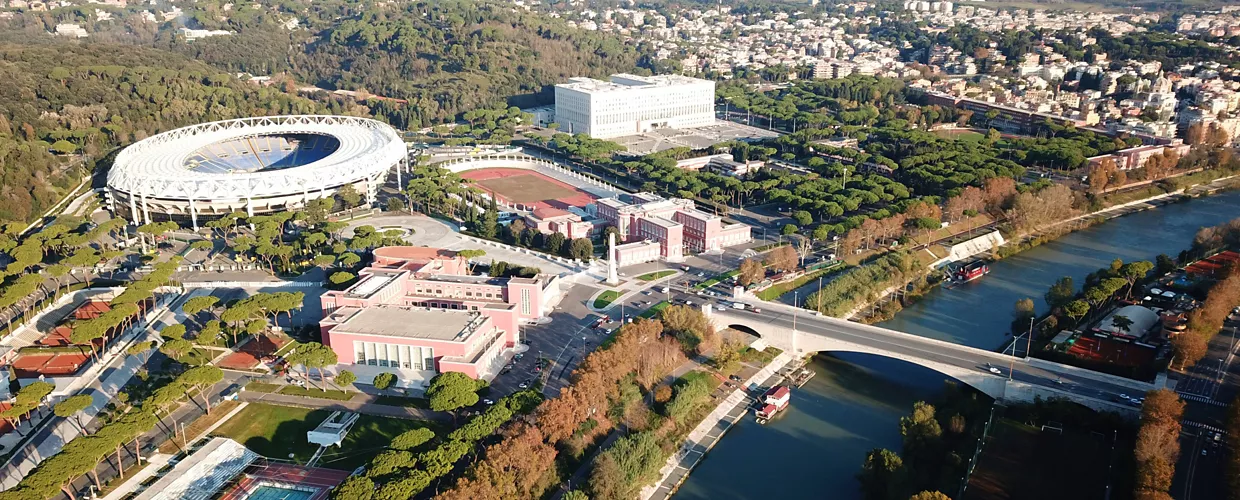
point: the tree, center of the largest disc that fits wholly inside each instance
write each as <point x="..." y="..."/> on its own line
<point x="345" y="378"/>
<point x="930" y="495"/>
<point x="581" y="249"/>
<point x="1188" y="348"/>
<point x="782" y="258"/>
<point x="173" y="331"/>
<point x="176" y="348"/>
<point x="313" y="355"/>
<point x="412" y="438"/>
<point x="340" y="278"/>
<point x="354" y="488"/>
<point x="1076" y="309"/>
<point x="1061" y="292"/>
<point x="201" y="378"/>
<point x="450" y="391"/>
<point x="349" y="195"/>
<point x="471" y="254"/>
<point x="575" y="495"/>
<point x="882" y="475"/>
<point x="140" y="348"/>
<point x="727" y="358"/>
<point x="691" y="327"/>
<point x="72" y="407"/>
<point x="199" y="304"/>
<point x="555" y="243"/>
<point x="803" y="217"/>
<point x="750" y="272"/>
<point x="384" y="380"/>
<point x="1133" y="272"/>
<point x="1024" y="309"/>
<point x="789" y="229"/>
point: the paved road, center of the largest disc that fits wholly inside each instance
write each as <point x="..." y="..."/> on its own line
<point x="778" y="319"/>
<point x="431" y="232"/>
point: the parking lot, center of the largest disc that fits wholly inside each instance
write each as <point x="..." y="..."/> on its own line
<point x="695" y="138"/>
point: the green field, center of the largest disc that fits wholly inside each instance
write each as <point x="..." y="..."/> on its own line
<point x="960" y="135"/>
<point x="276" y="431"/>
<point x="606" y="298"/>
<point x="655" y="275"/>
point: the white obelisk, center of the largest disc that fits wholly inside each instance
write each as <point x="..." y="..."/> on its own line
<point x="613" y="277"/>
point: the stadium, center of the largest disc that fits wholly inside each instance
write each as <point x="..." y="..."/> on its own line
<point x="253" y="165"/>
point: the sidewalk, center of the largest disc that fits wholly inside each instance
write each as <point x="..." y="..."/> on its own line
<point x="362" y="403"/>
<point x="101" y="381"/>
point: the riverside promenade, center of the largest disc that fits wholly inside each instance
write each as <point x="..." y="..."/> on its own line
<point x="712" y="428"/>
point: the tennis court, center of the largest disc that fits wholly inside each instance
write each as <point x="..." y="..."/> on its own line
<point x="527" y="187"/>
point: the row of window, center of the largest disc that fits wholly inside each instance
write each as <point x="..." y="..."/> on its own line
<point x="394" y="355"/>
<point x="468" y="293"/>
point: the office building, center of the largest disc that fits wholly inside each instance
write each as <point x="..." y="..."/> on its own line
<point x="631" y="104"/>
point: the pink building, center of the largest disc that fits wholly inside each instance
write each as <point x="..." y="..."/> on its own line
<point x="675" y="223"/>
<point x="417" y="312"/>
<point x="548" y="220"/>
<point x="1133" y="158"/>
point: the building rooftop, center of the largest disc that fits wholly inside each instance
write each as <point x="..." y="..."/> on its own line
<point x="625" y="81"/>
<point x="409" y="322"/>
<point x="659" y="221"/>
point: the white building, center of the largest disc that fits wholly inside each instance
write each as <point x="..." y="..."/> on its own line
<point x="631" y="104"/>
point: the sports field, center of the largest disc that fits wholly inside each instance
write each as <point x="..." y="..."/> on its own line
<point x="527" y="187"/>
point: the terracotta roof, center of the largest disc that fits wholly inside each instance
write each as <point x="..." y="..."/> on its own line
<point x="548" y="212"/>
<point x="412" y="253"/>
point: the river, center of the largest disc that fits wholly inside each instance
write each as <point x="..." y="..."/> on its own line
<point x="979" y="314"/>
<point x="855" y="403"/>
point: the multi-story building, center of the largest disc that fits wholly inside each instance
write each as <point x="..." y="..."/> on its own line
<point x="674" y="223"/>
<point x="631" y="104"/>
<point x="418" y="311"/>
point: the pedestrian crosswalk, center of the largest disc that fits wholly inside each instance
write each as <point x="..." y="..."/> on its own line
<point x="1200" y="399"/>
<point x="1200" y="425"/>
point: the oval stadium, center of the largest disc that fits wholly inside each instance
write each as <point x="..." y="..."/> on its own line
<point x="253" y="165"/>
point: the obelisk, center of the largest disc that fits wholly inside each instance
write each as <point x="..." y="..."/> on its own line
<point x="613" y="276"/>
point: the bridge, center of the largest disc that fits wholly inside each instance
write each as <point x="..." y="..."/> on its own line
<point x="804" y="332"/>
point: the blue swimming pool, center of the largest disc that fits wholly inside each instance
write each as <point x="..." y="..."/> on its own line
<point x="270" y="492"/>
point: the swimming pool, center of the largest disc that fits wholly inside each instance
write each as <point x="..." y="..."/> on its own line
<point x="272" y="492"/>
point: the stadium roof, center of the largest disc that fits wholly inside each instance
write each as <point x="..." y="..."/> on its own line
<point x="193" y="162"/>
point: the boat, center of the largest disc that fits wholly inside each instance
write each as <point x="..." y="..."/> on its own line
<point x="773" y="401"/>
<point x="966" y="273"/>
<point x="801" y="377"/>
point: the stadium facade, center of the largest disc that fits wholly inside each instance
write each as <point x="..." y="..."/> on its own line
<point x="253" y="165"/>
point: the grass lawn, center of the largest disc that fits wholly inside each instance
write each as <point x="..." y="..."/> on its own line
<point x="711" y="282"/>
<point x="404" y="401"/>
<point x="606" y="298"/>
<point x="310" y="392"/>
<point x="656" y="275"/>
<point x="275" y="431"/>
<point x="195" y="428"/>
<point x="371" y="435"/>
<point x="284" y="349"/>
<point x="960" y="135"/>
<point x="199" y="356"/>
<point x="763" y="357"/>
<point x="654" y="310"/>
<point x="773" y="292"/>
<point x="262" y="387"/>
<point x="1045" y="464"/>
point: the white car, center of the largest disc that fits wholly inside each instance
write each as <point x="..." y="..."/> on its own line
<point x="488" y="402"/>
<point x="994" y="370"/>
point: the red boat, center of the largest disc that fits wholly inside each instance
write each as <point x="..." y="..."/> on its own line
<point x="968" y="272"/>
<point x="773" y="401"/>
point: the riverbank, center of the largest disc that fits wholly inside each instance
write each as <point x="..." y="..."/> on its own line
<point x="1063" y="228"/>
<point x="712" y="428"/>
